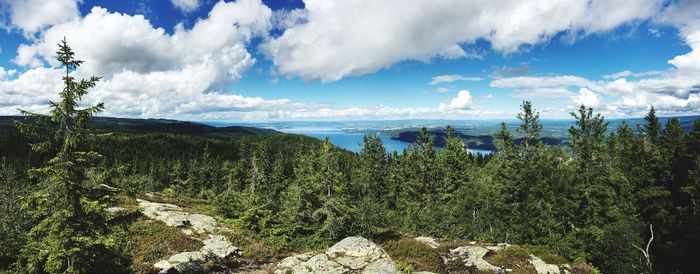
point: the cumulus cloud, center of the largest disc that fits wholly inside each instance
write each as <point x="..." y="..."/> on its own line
<point x="148" y="72"/>
<point x="115" y="42"/>
<point x="463" y="101"/>
<point x="588" y="98"/>
<point x="347" y="38"/>
<point x="284" y="19"/>
<point x="5" y="72"/>
<point x="452" y="78"/>
<point x="186" y="5"/>
<point x="31" y="16"/>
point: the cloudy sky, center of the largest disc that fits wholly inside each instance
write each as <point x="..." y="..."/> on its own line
<point x="252" y="60"/>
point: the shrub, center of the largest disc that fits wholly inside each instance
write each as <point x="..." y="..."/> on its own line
<point x="415" y="253"/>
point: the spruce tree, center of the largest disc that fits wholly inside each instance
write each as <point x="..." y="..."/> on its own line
<point x="70" y="236"/>
<point x="504" y="140"/>
<point x="588" y="134"/>
<point x="530" y="126"/>
<point x="653" y="126"/>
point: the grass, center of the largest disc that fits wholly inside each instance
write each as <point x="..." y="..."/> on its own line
<point x="419" y="255"/>
<point x="547" y="256"/>
<point x="151" y="241"/>
<point x="513" y="257"/>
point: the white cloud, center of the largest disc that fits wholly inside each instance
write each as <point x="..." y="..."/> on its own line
<point x="5" y="73"/>
<point x="347" y="38"/>
<point x="547" y="93"/>
<point x="463" y="101"/>
<point x="531" y="82"/>
<point x="186" y="5"/>
<point x="114" y="42"/>
<point x="147" y="72"/>
<point x="624" y="73"/>
<point x="443" y="90"/>
<point x="284" y="19"/>
<point x="627" y="73"/>
<point x="588" y="98"/>
<point x="32" y="16"/>
<point x="452" y="78"/>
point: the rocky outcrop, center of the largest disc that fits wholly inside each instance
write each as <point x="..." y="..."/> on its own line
<point x="215" y="246"/>
<point x="473" y="256"/>
<point x="542" y="267"/>
<point x="351" y="255"/>
<point x="431" y="242"/>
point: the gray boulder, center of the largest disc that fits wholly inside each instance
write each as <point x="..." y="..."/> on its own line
<point x="474" y="256"/>
<point x="351" y="255"/>
<point x="542" y="267"/>
<point x="431" y="242"/>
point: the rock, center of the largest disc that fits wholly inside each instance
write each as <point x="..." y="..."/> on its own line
<point x="114" y="209"/>
<point x="322" y="264"/>
<point x="543" y="268"/>
<point x="219" y="246"/>
<point x="474" y="256"/>
<point x="170" y="214"/>
<point x="202" y="223"/>
<point x="109" y="188"/>
<point x="187" y="231"/>
<point x="498" y="247"/>
<point x="291" y="261"/>
<point x="185" y="257"/>
<point x="351" y="255"/>
<point x="355" y="252"/>
<point x="382" y="266"/>
<point x="431" y="242"/>
<point x="163" y="264"/>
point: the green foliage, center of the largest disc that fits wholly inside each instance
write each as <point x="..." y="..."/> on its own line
<point x="418" y="255"/>
<point x="530" y="126"/>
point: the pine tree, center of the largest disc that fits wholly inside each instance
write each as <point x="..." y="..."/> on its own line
<point x="653" y="126"/>
<point x="504" y="140"/>
<point x="530" y="126"/>
<point x="588" y="134"/>
<point x="69" y="238"/>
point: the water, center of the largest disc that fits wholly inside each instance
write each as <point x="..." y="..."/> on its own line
<point x="352" y="141"/>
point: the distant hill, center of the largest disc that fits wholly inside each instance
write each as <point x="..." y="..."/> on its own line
<point x="485" y="142"/>
<point x="127" y="125"/>
<point x="555" y="132"/>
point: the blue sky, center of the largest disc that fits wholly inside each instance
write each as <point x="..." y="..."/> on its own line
<point x="251" y="60"/>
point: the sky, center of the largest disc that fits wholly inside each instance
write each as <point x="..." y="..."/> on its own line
<point x="253" y="60"/>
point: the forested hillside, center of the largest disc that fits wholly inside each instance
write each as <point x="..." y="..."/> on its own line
<point x="599" y="203"/>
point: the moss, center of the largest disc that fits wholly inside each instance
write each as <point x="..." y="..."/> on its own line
<point x="149" y="242"/>
<point x="512" y="257"/>
<point x="404" y="267"/>
<point x="584" y="268"/>
<point x="418" y="254"/>
<point x="547" y="256"/>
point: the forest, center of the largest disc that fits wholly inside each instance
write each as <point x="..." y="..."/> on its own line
<point x="598" y="201"/>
